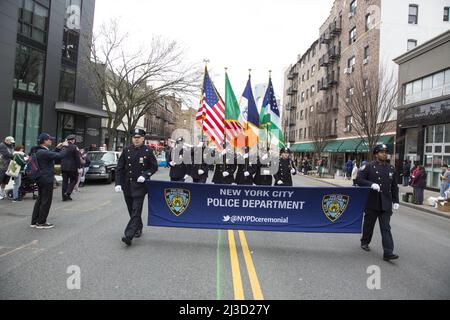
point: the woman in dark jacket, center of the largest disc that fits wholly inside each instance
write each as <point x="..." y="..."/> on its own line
<point x="419" y="183"/>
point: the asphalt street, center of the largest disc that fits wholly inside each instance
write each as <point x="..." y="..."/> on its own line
<point x="175" y="264"/>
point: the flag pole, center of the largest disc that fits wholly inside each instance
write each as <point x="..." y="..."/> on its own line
<point x="267" y="127"/>
<point x="206" y="60"/>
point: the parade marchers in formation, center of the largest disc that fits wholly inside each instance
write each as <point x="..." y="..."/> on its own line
<point x="138" y="163"/>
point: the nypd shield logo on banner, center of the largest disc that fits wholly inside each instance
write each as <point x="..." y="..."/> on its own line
<point x="177" y="200"/>
<point x="334" y="206"/>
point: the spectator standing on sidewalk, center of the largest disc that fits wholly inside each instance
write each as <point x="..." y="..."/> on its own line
<point x="6" y="155"/>
<point x="349" y="168"/>
<point x="445" y="180"/>
<point x="406" y="172"/>
<point x="419" y="183"/>
<point x="354" y="172"/>
<point x="19" y="158"/>
<point x="46" y="174"/>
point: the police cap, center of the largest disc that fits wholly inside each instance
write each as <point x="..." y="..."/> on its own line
<point x="379" y="148"/>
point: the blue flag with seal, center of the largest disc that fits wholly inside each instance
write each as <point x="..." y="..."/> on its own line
<point x="260" y="208"/>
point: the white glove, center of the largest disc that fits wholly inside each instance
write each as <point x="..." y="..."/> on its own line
<point x="186" y="176"/>
<point x="225" y="174"/>
<point x="246" y="173"/>
<point x="141" y="179"/>
<point x="396" y="206"/>
<point x="264" y="157"/>
<point x="200" y="172"/>
<point x="266" y="172"/>
<point x="246" y="156"/>
<point x="293" y="171"/>
<point x="172" y="163"/>
<point x="180" y="157"/>
<point x="224" y="152"/>
<point x="280" y="182"/>
<point x="376" y="187"/>
<point x="200" y="145"/>
<point x="118" y="189"/>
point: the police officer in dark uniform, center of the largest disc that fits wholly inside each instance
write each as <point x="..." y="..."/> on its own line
<point x="286" y="169"/>
<point x="383" y="198"/>
<point x="263" y="175"/>
<point x="136" y="165"/>
<point x="245" y="170"/>
<point x="199" y="171"/>
<point x="178" y="169"/>
<point x="224" y="173"/>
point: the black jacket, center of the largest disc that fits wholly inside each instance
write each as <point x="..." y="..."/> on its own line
<point x="260" y="179"/>
<point x="6" y="155"/>
<point x="46" y="162"/>
<point x="194" y="168"/>
<point x="284" y="173"/>
<point x="71" y="162"/>
<point x="241" y="179"/>
<point x="180" y="170"/>
<point x="384" y="175"/>
<point x="420" y="181"/>
<point x="133" y="163"/>
<point x="228" y="166"/>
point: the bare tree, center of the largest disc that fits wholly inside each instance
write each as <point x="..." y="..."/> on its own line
<point x="371" y="99"/>
<point x="318" y="131"/>
<point x="131" y="83"/>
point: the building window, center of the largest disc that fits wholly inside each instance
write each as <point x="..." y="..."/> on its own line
<point x="300" y="133"/>
<point x="67" y="84"/>
<point x="431" y="86"/>
<point x="348" y="124"/>
<point x="411" y="44"/>
<point x="26" y="123"/>
<point x="413" y="13"/>
<point x="366" y="52"/>
<point x="301" y="115"/>
<point x="313" y="69"/>
<point x="437" y="152"/>
<point x="352" y="36"/>
<point x="368" y="23"/>
<point x="446" y="13"/>
<point x="351" y="64"/>
<point x="353" y="6"/>
<point x="33" y="21"/>
<point x="313" y="89"/>
<point x="29" y="70"/>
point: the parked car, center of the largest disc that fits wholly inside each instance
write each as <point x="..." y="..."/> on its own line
<point x="103" y="165"/>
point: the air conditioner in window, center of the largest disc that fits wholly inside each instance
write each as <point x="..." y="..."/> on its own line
<point x="366" y="61"/>
<point x="364" y="94"/>
<point x="347" y="71"/>
<point x="351" y="14"/>
<point x="347" y="100"/>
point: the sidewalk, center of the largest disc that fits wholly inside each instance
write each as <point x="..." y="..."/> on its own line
<point x="342" y="182"/>
<point x="11" y="182"/>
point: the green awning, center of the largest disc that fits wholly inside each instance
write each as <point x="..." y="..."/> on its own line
<point x="302" y="147"/>
<point x="363" y="147"/>
<point x="333" y="146"/>
<point x="350" y="145"/>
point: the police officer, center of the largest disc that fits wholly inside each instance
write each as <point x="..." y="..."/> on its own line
<point x="381" y="177"/>
<point x="136" y="165"/>
<point x="245" y="170"/>
<point x="224" y="172"/>
<point x="178" y="169"/>
<point x="263" y="176"/>
<point x="286" y="168"/>
<point x="198" y="171"/>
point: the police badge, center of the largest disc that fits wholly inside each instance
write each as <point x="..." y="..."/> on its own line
<point x="334" y="206"/>
<point x="177" y="200"/>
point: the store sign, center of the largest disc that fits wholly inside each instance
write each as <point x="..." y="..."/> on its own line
<point x="437" y="109"/>
<point x="92" y="132"/>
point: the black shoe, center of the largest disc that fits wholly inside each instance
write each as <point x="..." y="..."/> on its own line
<point x="69" y="197"/>
<point x="138" y="234"/>
<point x="64" y="197"/>
<point x="365" y="247"/>
<point x="390" y="257"/>
<point x="127" y="241"/>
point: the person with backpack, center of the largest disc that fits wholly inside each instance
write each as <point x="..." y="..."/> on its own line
<point x="42" y="168"/>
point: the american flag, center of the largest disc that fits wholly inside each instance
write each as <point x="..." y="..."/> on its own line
<point x="212" y="113"/>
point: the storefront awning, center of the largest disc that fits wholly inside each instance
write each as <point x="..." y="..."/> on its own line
<point x="302" y="147"/>
<point x="82" y="110"/>
<point x="363" y="147"/>
<point x="350" y="145"/>
<point x="333" y="146"/>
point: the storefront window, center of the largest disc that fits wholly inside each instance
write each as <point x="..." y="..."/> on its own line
<point x="29" y="70"/>
<point x="439" y="134"/>
<point x="437" y="152"/>
<point x="67" y="85"/>
<point x="431" y="86"/>
<point x="429" y="135"/>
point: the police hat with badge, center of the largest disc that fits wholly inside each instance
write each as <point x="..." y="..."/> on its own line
<point x="285" y="150"/>
<point x="137" y="133"/>
<point x="379" y="148"/>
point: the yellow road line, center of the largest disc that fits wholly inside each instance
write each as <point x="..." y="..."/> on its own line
<point x="254" y="282"/>
<point x="236" y="273"/>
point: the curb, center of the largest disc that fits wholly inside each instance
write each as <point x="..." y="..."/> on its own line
<point x="406" y="204"/>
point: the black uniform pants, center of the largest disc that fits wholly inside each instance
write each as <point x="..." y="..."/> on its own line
<point x="177" y="179"/>
<point x="70" y="179"/>
<point x="134" y="205"/>
<point x="384" y="218"/>
<point x="199" y="180"/>
<point x="43" y="203"/>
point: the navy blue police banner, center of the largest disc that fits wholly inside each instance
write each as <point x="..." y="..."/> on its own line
<point x="209" y="206"/>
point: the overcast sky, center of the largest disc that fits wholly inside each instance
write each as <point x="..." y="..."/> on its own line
<point x="239" y="34"/>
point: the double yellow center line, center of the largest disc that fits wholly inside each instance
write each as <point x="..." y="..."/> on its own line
<point x="235" y="270"/>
